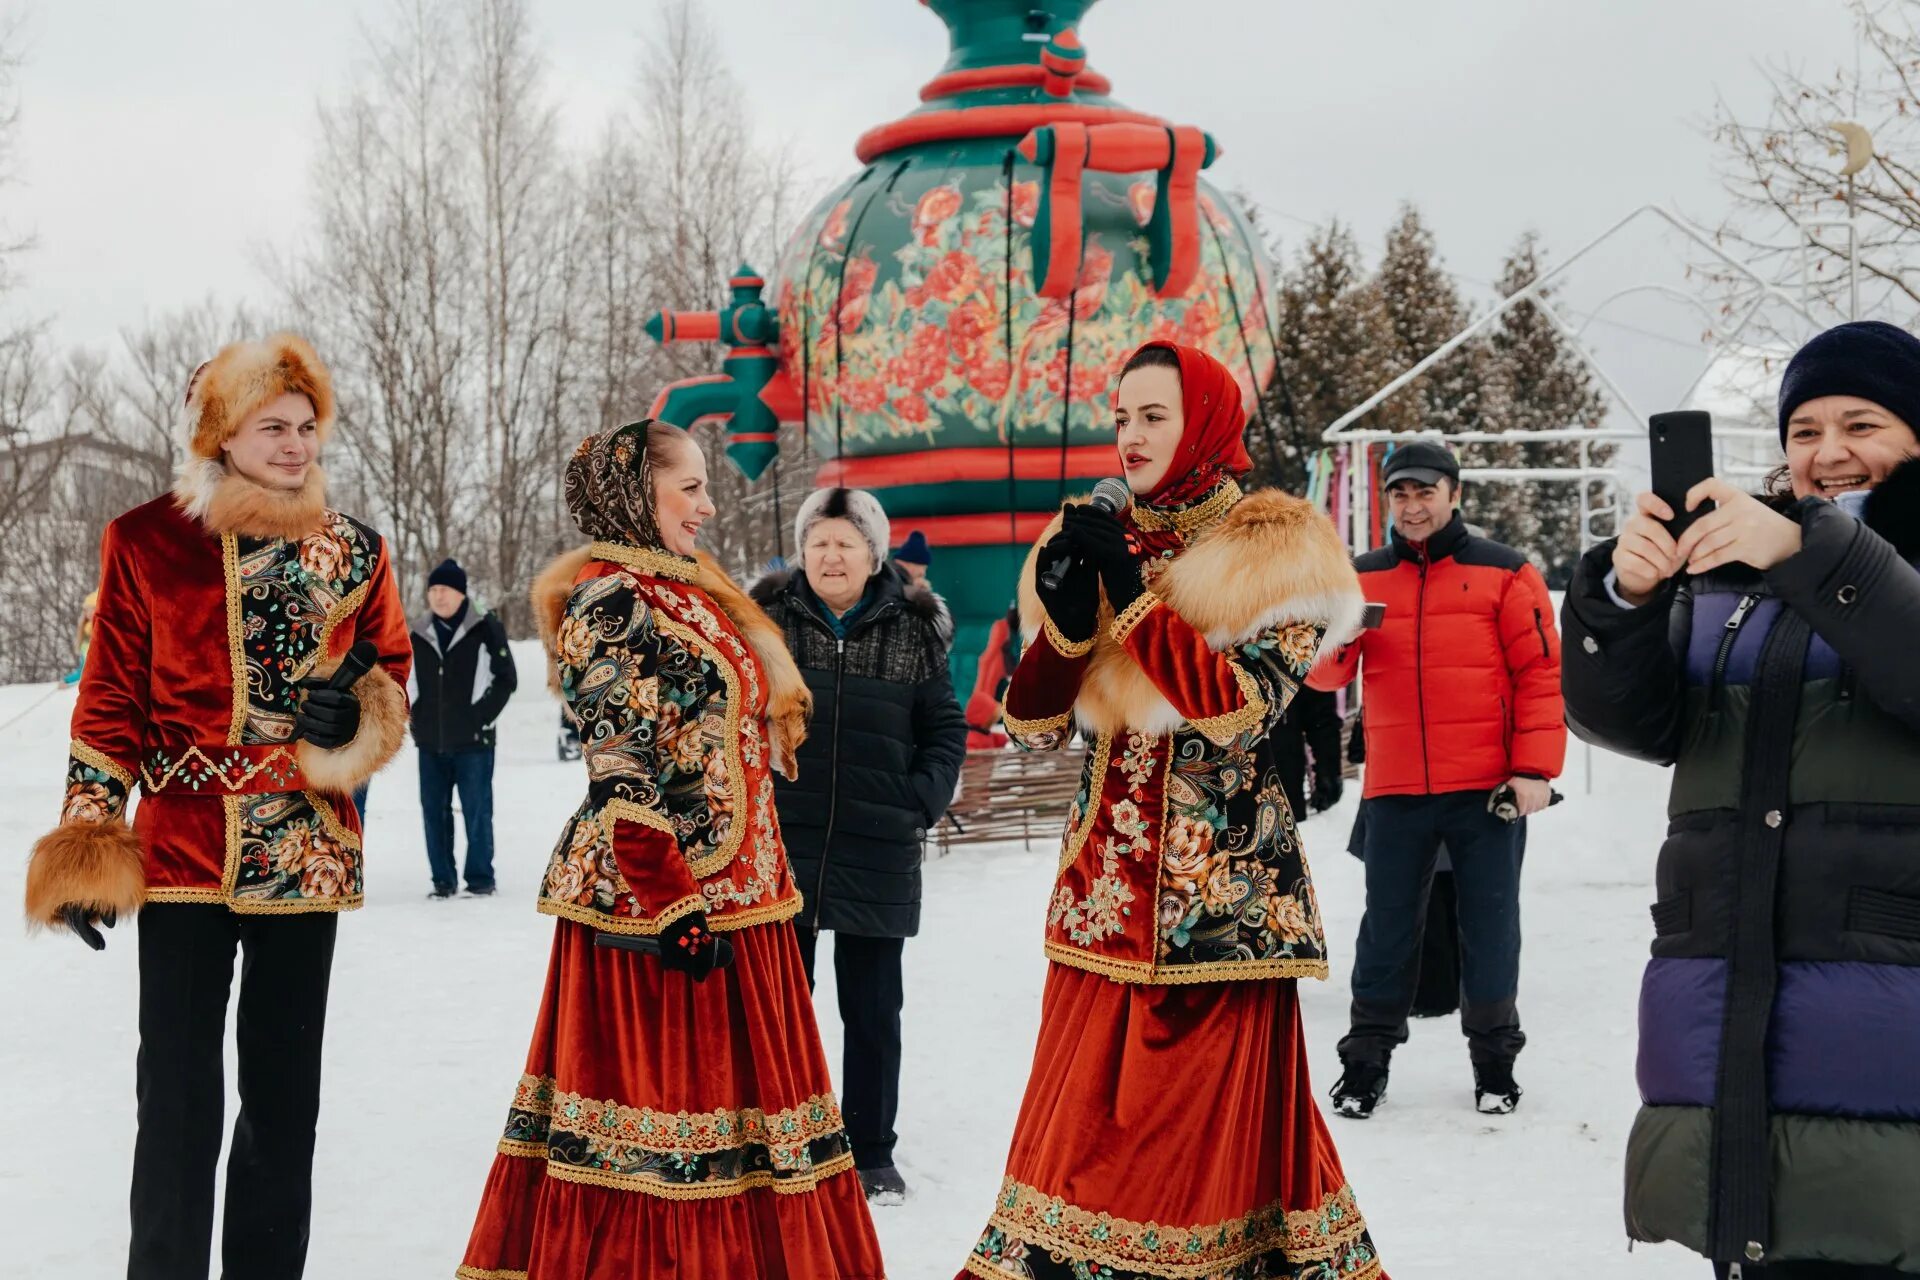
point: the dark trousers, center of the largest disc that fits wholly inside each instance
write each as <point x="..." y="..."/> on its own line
<point x="186" y="972"/>
<point x="866" y="974"/>
<point x="1809" y="1271"/>
<point x="472" y="772"/>
<point x="1403" y="837"/>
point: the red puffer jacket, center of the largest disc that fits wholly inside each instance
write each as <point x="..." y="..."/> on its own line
<point x="1462" y="678"/>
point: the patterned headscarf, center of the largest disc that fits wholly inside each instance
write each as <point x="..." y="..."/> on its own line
<point x="1211" y="456"/>
<point x="609" y="487"/>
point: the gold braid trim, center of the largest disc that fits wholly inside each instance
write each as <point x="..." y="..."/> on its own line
<point x="1193" y="519"/>
<point x="725" y="922"/>
<point x="1076" y="838"/>
<point x="523" y="1150"/>
<point x="628" y="811"/>
<point x="649" y="561"/>
<point x="94" y="758"/>
<point x="799" y="1184"/>
<point x="176" y="894"/>
<point x="236" y="648"/>
<point x="1124" y="624"/>
<point x="1147" y="973"/>
<point x="1052" y="724"/>
<point x="339" y="614"/>
<point x="1061" y="645"/>
<point x="1320" y="1234"/>
<point x="475" y="1273"/>
<point x="1222" y="729"/>
<point x="291" y="906"/>
<point x="694" y="1132"/>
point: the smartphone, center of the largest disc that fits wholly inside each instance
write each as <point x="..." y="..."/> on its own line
<point x="1681" y="446"/>
<point x="1372" y="615"/>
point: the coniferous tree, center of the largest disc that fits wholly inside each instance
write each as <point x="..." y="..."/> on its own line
<point x="1423" y="310"/>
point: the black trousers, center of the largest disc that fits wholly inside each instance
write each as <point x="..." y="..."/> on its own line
<point x="186" y="973"/>
<point x="866" y="974"/>
<point x="1808" y="1271"/>
<point x="1403" y="837"/>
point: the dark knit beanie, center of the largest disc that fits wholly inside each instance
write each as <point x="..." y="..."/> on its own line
<point x="915" y="550"/>
<point x="1869" y="359"/>
<point x="448" y="573"/>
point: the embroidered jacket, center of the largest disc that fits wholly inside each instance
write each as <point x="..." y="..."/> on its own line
<point x="667" y="667"/>
<point x="190" y="693"/>
<point x="1180" y="861"/>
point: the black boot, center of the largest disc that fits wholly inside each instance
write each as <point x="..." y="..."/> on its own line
<point x="1494" y="1091"/>
<point x="1361" y="1088"/>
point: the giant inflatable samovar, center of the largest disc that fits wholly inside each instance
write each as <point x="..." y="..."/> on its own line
<point x="950" y="320"/>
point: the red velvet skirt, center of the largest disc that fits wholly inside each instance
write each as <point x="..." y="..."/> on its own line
<point x="674" y="1130"/>
<point x="1171" y="1131"/>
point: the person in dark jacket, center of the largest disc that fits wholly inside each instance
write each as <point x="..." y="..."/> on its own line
<point x="1767" y="655"/>
<point x="877" y="771"/>
<point x="1309" y="735"/>
<point x="462" y="677"/>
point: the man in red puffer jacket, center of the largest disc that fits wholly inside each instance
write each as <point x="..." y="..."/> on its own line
<point x="1462" y="695"/>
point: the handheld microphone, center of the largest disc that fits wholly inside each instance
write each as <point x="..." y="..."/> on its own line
<point x="358" y="662"/>
<point x="1110" y="495"/>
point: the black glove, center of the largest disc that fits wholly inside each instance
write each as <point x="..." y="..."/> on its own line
<point x="1326" y="792"/>
<point x="1102" y="541"/>
<point x="694" y="949"/>
<point x="81" y="920"/>
<point x="1074" y="605"/>
<point x="328" y="717"/>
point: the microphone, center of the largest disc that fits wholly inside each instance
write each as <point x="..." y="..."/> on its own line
<point x="358" y="662"/>
<point x="1110" y="495"/>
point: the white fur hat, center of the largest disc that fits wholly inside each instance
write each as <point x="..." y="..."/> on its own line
<point x="856" y="506"/>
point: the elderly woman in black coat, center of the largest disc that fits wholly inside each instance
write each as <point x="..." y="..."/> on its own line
<point x="877" y="771"/>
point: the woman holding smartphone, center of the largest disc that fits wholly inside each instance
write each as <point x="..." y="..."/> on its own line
<point x="1767" y="655"/>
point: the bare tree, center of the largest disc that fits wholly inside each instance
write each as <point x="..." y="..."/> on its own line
<point x="1785" y="174"/>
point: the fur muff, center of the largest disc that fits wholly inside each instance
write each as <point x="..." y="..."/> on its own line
<point x="789" y="702"/>
<point x="245" y="375"/>
<point x="96" y="865"/>
<point x="224" y="501"/>
<point x="1273" y="559"/>
<point x="383" y="727"/>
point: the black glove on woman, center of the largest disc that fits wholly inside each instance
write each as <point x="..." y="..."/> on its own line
<point x="329" y="717"/>
<point x="1103" y="542"/>
<point x="1074" y="605"/>
<point x="694" y="949"/>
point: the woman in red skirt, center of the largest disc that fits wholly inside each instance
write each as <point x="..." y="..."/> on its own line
<point x="675" y="1120"/>
<point x="1168" y="1127"/>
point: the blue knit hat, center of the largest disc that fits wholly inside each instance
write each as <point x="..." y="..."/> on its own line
<point x="915" y="550"/>
<point x="448" y="573"/>
<point x="1868" y="359"/>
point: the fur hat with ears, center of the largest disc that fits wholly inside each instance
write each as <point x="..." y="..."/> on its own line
<point x="245" y="375"/>
<point x="856" y="506"/>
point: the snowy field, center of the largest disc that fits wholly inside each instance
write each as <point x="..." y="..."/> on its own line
<point x="432" y="1004"/>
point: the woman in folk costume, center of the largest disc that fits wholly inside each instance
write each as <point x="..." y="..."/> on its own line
<point x="224" y="609"/>
<point x="1168" y="1127"/>
<point x="676" y="1119"/>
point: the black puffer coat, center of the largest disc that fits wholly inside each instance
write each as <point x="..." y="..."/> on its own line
<point x="882" y="754"/>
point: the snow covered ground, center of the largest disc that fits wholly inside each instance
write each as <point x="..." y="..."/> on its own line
<point x="432" y="1003"/>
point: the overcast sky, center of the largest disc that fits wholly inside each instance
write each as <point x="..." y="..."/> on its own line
<point x="165" y="145"/>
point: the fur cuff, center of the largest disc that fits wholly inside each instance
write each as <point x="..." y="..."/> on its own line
<point x="98" y="865"/>
<point x="383" y="727"/>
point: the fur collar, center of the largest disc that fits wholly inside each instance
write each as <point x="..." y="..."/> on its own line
<point x="788" y="701"/>
<point x="1272" y="559"/>
<point x="224" y="501"/>
<point x="919" y="599"/>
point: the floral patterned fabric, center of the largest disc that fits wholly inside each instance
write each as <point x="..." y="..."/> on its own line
<point x="1181" y="861"/>
<point x="191" y="689"/>
<point x="679" y="809"/>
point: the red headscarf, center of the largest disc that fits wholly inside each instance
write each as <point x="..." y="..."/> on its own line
<point x="1210" y="450"/>
<point x="1212" y="446"/>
